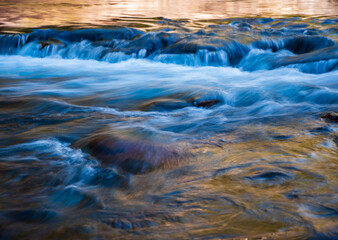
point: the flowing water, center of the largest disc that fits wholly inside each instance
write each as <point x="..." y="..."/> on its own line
<point x="168" y="120"/>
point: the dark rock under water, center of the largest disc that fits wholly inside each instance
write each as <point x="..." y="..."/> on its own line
<point x="333" y="117"/>
<point x="137" y="157"/>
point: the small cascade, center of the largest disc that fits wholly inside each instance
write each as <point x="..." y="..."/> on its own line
<point x="223" y="46"/>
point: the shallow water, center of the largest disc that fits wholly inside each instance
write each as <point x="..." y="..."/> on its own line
<point x="211" y="129"/>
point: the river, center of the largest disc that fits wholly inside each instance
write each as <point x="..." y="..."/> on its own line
<point x="168" y="119"/>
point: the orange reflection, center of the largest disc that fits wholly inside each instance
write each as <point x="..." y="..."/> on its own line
<point x="34" y="13"/>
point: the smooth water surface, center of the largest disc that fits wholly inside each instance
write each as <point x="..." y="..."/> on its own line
<point x="35" y="13"/>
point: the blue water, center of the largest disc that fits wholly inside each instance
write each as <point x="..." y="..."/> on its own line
<point x="178" y="132"/>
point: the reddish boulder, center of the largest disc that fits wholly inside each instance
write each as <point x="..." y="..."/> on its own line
<point x="133" y="156"/>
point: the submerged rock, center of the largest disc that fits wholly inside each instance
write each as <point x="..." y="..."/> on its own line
<point x="133" y="156"/>
<point x="206" y="103"/>
<point x="333" y="117"/>
<point x="305" y="44"/>
<point x="51" y="41"/>
<point x="243" y="26"/>
<point x="324" y="54"/>
<point x="307" y="62"/>
<point x="152" y="42"/>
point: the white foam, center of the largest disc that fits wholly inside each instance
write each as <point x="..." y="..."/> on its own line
<point x="143" y="79"/>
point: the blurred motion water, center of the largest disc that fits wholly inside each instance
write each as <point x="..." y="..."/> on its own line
<point x="119" y="120"/>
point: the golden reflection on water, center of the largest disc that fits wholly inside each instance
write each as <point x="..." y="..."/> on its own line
<point x="304" y="155"/>
<point x="34" y="13"/>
